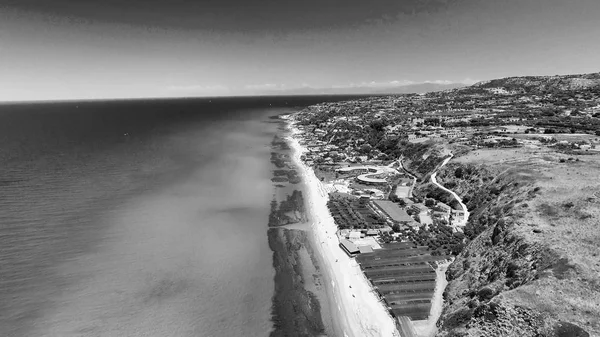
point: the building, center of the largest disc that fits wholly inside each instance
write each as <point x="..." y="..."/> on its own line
<point x="354" y="235"/>
<point x="349" y="247"/>
<point x="393" y="211"/>
<point x="372" y="232"/>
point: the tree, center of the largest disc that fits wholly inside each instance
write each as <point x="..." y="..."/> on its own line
<point x="458" y="173"/>
<point x="430" y="202"/>
<point x="396" y="228"/>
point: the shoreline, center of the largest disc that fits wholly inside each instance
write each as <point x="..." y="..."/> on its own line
<point x="359" y="310"/>
<point x="300" y="302"/>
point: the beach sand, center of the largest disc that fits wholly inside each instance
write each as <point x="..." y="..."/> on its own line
<point x="427" y="328"/>
<point x="361" y="313"/>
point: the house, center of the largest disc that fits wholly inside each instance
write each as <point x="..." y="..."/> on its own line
<point x="446" y="208"/>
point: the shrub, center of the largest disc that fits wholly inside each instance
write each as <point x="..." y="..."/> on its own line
<point x="457" y="318"/>
<point x="485" y="294"/>
<point x="458" y="173"/>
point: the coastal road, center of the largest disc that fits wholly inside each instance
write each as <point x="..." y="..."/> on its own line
<point x="465" y="218"/>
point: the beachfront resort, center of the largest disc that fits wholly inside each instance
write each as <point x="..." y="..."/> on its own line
<point x="397" y="240"/>
<point x="410" y="183"/>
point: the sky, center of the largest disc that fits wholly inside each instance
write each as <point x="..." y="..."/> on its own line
<point x="90" y="49"/>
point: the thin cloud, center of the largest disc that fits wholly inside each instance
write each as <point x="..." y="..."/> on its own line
<point x="197" y="88"/>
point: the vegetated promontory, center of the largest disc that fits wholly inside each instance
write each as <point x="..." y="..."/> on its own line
<point x="532" y="266"/>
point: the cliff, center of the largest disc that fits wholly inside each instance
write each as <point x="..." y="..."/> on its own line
<point x="528" y="269"/>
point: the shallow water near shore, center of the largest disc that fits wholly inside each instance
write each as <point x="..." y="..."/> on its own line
<point x="301" y="303"/>
<point x="136" y="218"/>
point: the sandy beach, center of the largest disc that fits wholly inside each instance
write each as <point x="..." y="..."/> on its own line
<point x="361" y="313"/>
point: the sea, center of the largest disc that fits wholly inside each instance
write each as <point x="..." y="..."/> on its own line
<point x="138" y="217"/>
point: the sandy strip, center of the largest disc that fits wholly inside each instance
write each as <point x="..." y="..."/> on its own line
<point x="360" y="310"/>
<point x="428" y="328"/>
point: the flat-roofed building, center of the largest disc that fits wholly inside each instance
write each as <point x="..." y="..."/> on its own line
<point x="354" y="235"/>
<point x="349" y="247"/>
<point x="393" y="211"/>
<point x="372" y="232"/>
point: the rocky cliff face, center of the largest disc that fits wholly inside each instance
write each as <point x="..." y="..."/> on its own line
<point x="478" y="297"/>
<point x="503" y="281"/>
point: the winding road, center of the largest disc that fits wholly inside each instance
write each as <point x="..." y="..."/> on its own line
<point x="465" y="218"/>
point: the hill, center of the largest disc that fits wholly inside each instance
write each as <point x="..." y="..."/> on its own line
<point x="537" y="84"/>
<point x="416" y="88"/>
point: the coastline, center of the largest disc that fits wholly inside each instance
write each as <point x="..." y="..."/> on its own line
<point x="359" y="310"/>
<point x="299" y="292"/>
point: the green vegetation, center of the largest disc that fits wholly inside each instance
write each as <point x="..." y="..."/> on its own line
<point x="290" y="210"/>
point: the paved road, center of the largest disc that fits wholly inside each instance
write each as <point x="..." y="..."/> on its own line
<point x="464" y="220"/>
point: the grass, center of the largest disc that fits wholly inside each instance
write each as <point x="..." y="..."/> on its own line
<point x="561" y="215"/>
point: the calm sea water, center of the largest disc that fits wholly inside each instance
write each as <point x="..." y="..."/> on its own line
<point x="137" y="218"/>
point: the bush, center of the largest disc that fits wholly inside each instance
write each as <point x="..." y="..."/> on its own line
<point x="457" y="318"/>
<point x="485" y="294"/>
<point x="458" y="173"/>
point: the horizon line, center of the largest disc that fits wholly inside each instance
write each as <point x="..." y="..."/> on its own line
<point x="116" y="99"/>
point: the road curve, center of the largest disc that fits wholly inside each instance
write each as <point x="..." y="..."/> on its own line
<point x="464" y="220"/>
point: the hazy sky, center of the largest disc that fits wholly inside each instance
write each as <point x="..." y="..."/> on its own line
<point x="69" y="49"/>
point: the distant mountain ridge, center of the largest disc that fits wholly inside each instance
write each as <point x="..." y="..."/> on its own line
<point x="416" y="88"/>
<point x="540" y="84"/>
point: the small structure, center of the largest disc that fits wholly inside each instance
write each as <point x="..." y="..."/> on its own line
<point x="372" y="232"/>
<point x="442" y="215"/>
<point x="349" y="247"/>
<point x="447" y="208"/>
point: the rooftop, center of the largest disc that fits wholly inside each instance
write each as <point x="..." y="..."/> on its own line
<point x="392" y="210"/>
<point x="349" y="247"/>
<point x="365" y="249"/>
